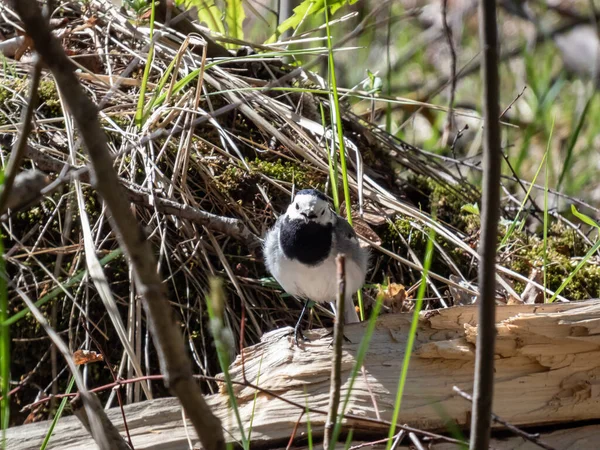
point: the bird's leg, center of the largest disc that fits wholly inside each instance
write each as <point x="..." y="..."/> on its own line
<point x="337" y="317"/>
<point x="297" y="328"/>
<point x="330" y="334"/>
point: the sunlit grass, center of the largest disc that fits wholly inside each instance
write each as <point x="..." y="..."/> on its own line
<point x="411" y="338"/>
<point x="223" y="339"/>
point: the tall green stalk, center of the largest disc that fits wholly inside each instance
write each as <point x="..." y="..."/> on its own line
<point x="546" y="220"/>
<point x="360" y="357"/>
<point x="223" y="343"/>
<point x="334" y="103"/>
<point x="58" y="415"/>
<point x="411" y="337"/>
<point x="139" y="114"/>
<point x="4" y="347"/>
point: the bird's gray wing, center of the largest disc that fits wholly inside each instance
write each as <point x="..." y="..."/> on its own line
<point x="347" y="243"/>
<point x="271" y="250"/>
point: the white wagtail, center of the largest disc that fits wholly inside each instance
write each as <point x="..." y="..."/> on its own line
<point x="301" y="249"/>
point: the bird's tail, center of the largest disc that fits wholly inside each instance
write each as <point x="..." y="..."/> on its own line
<point x="350" y="315"/>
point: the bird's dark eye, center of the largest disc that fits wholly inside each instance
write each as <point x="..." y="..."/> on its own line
<point x="297" y="207"/>
<point x="322" y="212"/>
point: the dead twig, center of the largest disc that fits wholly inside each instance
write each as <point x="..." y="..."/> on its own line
<point x="530" y="437"/>
<point x="336" y="367"/>
<point x="19" y="148"/>
<point x="416" y="442"/>
<point x="114" y="376"/>
<point x="102" y="430"/>
<point x="173" y="358"/>
<point x="226" y="225"/>
<point x="484" y="362"/>
<point x="383" y="424"/>
<point x="519" y="95"/>
<point x="449" y="127"/>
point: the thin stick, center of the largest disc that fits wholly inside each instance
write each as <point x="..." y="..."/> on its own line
<point x="174" y="361"/>
<point x="416" y="442"/>
<point x="382" y="424"/>
<point x="102" y="430"/>
<point x="530" y="437"/>
<point x="449" y="127"/>
<point x="114" y="376"/>
<point x="484" y="362"/>
<point x="336" y="368"/>
<point x="18" y="151"/>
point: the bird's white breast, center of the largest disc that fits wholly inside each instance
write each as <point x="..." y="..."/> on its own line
<point x="318" y="282"/>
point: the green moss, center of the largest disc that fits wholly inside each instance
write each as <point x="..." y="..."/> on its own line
<point x="49" y="98"/>
<point x="5" y="94"/>
<point x="240" y="183"/>
<point x="526" y="253"/>
<point x="288" y="171"/>
<point x="401" y="232"/>
<point x="447" y="202"/>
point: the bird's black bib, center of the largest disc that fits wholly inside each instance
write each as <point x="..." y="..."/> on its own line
<point x="307" y="242"/>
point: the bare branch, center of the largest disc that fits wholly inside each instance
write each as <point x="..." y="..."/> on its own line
<point x="19" y="148"/>
<point x="449" y="127"/>
<point x="336" y="367"/>
<point x="484" y="362"/>
<point x="103" y="431"/>
<point x="530" y="437"/>
<point x="226" y="225"/>
<point x="173" y="358"/>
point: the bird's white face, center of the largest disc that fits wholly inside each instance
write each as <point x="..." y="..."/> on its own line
<point x="310" y="208"/>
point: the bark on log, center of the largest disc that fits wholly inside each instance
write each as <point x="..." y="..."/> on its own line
<point x="547" y="372"/>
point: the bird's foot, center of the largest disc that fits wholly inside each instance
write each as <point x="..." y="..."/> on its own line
<point x="298" y="334"/>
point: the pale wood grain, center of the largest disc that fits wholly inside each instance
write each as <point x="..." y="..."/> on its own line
<point x="547" y="371"/>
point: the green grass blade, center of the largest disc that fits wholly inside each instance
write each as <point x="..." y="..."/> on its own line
<point x="139" y="113"/>
<point x="332" y="163"/>
<point x="4" y="346"/>
<point x="255" y="399"/>
<point x="514" y="223"/>
<point x="360" y="357"/>
<point x="584" y="260"/>
<point x="585" y="219"/>
<point x="348" y="439"/>
<point x="58" y="414"/>
<point x="577" y="268"/>
<point x="234" y="18"/>
<point x="337" y="118"/>
<point x="223" y="343"/>
<point x="334" y="103"/>
<point x="546" y="219"/>
<point x="308" y="426"/>
<point x="573" y="140"/>
<point x="161" y="84"/>
<point x="411" y="337"/>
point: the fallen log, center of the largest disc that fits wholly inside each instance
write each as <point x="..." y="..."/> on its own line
<point x="547" y="372"/>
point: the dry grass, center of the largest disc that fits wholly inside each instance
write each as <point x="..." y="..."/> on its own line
<point x="233" y="141"/>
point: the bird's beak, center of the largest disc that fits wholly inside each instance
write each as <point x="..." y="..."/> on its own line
<point x="308" y="216"/>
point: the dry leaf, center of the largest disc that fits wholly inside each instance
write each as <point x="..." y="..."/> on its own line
<point x="86" y="356"/>
<point x="531" y="293"/>
<point x="393" y="296"/>
<point x="363" y="229"/>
